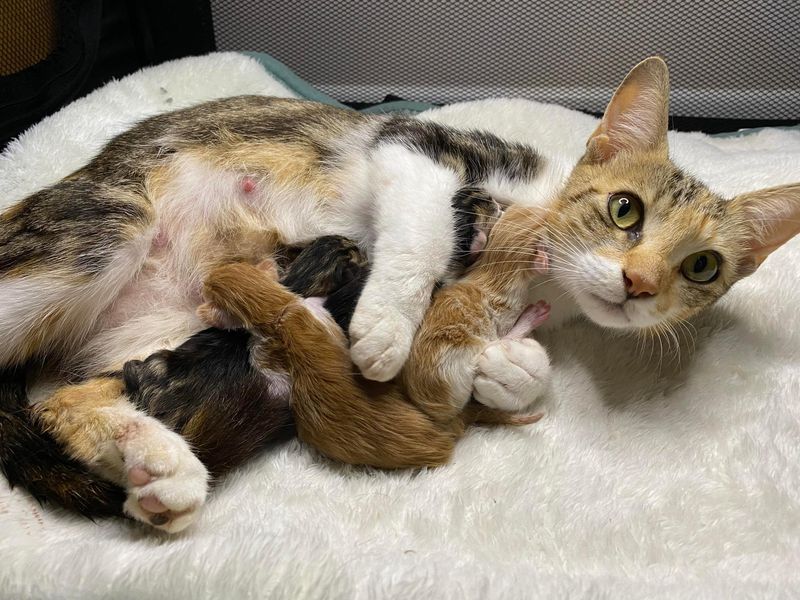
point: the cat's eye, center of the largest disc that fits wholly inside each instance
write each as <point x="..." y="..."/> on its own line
<point x="625" y="210"/>
<point x="701" y="267"/>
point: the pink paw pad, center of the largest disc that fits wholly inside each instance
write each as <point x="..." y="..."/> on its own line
<point x="138" y="476"/>
<point x="153" y="505"/>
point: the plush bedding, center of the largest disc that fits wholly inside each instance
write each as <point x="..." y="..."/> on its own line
<point x="649" y="477"/>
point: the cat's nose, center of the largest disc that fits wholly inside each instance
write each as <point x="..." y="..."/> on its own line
<point x="639" y="285"/>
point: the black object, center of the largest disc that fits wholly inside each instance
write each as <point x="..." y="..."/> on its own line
<point x="99" y="40"/>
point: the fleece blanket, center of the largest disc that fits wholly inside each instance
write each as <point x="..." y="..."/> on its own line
<point x="652" y="475"/>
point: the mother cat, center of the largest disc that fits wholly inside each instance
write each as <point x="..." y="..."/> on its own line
<point x="107" y="264"/>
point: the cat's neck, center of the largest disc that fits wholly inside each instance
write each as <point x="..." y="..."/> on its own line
<point x="563" y="307"/>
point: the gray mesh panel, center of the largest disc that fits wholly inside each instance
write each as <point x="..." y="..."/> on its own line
<point x="733" y="59"/>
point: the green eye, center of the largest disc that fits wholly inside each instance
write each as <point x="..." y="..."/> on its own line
<point x="701" y="267"/>
<point x="625" y="210"/>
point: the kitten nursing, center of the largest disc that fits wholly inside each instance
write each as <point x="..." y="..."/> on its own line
<point x="108" y="264"/>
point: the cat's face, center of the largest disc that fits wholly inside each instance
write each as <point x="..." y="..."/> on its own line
<point x="638" y="243"/>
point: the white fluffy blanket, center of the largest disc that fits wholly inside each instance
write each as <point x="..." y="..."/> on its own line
<point x="645" y="479"/>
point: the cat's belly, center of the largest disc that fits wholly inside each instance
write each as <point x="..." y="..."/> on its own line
<point x="154" y="311"/>
<point x="204" y="214"/>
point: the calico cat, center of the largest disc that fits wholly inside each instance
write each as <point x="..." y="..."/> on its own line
<point x="107" y="265"/>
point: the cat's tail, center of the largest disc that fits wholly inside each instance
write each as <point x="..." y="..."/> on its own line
<point x="31" y="459"/>
<point x="475" y="413"/>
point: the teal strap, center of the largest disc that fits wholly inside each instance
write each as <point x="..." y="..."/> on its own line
<point x="305" y="90"/>
<point x="288" y="78"/>
<point x="744" y="132"/>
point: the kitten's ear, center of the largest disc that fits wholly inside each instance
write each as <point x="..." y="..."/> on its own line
<point x="773" y="216"/>
<point x="637" y="117"/>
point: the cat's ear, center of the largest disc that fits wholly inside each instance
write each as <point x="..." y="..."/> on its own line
<point x="772" y="216"/>
<point x="637" y="117"/>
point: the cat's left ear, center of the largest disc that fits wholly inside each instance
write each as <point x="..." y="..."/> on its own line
<point x="773" y="217"/>
<point x="637" y="117"/>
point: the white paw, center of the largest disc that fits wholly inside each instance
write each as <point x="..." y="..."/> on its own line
<point x="511" y="374"/>
<point x="166" y="483"/>
<point x="380" y="342"/>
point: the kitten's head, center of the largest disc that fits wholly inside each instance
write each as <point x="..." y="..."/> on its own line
<point x="638" y="242"/>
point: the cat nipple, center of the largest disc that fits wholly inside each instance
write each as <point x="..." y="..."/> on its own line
<point x="248" y="185"/>
<point x="160" y="240"/>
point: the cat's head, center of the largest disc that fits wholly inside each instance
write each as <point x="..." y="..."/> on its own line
<point x="638" y="242"/>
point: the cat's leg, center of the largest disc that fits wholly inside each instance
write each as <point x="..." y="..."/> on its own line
<point x="165" y="483"/>
<point x="414" y="243"/>
<point x="65" y="254"/>
<point x="514" y="371"/>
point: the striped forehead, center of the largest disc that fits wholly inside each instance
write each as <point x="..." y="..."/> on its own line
<point x="676" y="191"/>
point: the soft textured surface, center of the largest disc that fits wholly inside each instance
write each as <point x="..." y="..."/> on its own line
<point x="646" y="478"/>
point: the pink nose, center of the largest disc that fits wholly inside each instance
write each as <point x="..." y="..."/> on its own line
<point x="639" y="286"/>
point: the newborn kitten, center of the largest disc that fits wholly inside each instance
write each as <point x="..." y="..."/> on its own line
<point x="416" y="420"/>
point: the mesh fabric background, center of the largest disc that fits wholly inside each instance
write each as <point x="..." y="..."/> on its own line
<point x="734" y="59"/>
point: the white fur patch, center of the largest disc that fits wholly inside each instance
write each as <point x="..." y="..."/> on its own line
<point x="512" y="374"/>
<point x="70" y="308"/>
<point x="413" y="222"/>
<point x="538" y="192"/>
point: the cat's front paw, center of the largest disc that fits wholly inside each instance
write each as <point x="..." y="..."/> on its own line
<point x="166" y="483"/>
<point x="512" y="374"/>
<point x="380" y="342"/>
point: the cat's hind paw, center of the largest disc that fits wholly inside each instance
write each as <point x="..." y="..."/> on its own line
<point x="380" y="342"/>
<point x="166" y="483"/>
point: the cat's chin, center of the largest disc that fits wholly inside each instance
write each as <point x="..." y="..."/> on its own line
<point x="614" y="315"/>
<point x="605" y="313"/>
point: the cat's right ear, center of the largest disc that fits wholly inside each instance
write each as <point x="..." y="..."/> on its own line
<point x="637" y="117"/>
<point x="772" y="218"/>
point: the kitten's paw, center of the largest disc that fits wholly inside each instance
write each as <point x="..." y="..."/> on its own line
<point x="166" y="483"/>
<point x="380" y="342"/>
<point x="512" y="374"/>
<point x="213" y="316"/>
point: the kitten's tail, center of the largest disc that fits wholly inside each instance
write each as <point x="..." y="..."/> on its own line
<point x="31" y="459"/>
